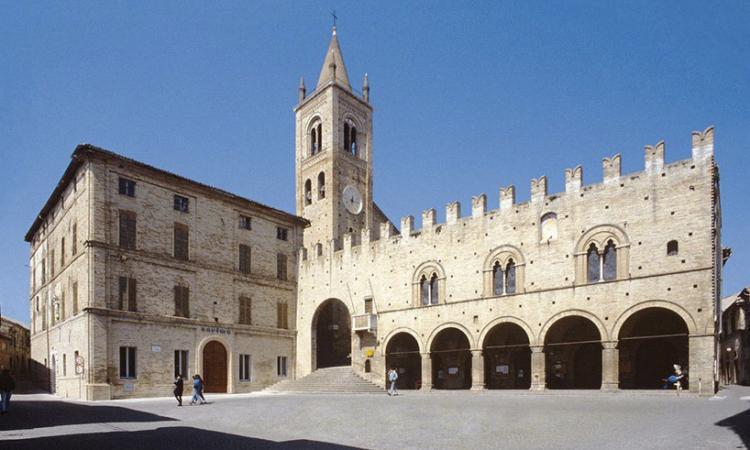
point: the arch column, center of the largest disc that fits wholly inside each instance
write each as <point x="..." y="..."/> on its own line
<point x="477" y="370"/>
<point x="610" y="366"/>
<point x="426" y="372"/>
<point x="538" y="376"/>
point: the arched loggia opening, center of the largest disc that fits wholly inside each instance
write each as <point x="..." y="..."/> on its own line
<point x="332" y="335"/>
<point x="650" y="342"/>
<point x="507" y="358"/>
<point x="573" y="351"/>
<point x="402" y="354"/>
<point x="451" y="360"/>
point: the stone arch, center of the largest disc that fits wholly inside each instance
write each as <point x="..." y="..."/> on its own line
<point x="503" y="254"/>
<point x="441" y="327"/>
<point x="427" y="269"/>
<point x="313" y="125"/>
<point x="506" y="319"/>
<point x="230" y="358"/>
<point x="398" y="330"/>
<point x="331" y="343"/>
<point x="402" y="351"/>
<point x="674" y="307"/>
<point x="599" y="236"/>
<point x="572" y="312"/>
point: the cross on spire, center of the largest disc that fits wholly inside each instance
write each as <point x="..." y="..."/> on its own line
<point x="333" y="14"/>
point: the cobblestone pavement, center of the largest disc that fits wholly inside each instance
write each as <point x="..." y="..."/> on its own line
<point x="412" y="420"/>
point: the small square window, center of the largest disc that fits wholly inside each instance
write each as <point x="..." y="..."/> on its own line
<point x="181" y="203"/>
<point x="246" y="223"/>
<point x="282" y="233"/>
<point x="127" y="187"/>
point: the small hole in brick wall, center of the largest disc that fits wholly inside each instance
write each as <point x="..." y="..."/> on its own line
<point x="639" y="242"/>
<point x="640" y="267"/>
<point x="485" y="234"/>
<point x="389" y="304"/>
<point x="567" y="256"/>
<point x="690" y="233"/>
<point x="490" y="309"/>
<point x="216" y="319"/>
<point x="692" y="167"/>
<point x="475" y="253"/>
<point x="700" y="309"/>
<point x="606" y="318"/>
<point x="475" y="291"/>
<point x="566" y="278"/>
<point x="588" y="298"/>
<point x="455" y="257"/>
<point x="622" y="184"/>
<point x="451" y="276"/>
<point x="581" y="195"/>
<point x="692" y="188"/>
<point x="533" y="223"/>
<point x="532" y="283"/>
<point x="645" y="198"/>
<point x="451" y="296"/>
<point x="553" y="302"/>
<point x="514" y="228"/>
<point x="606" y="206"/>
<point x="531" y="262"/>
<point x="627" y="294"/>
<point x="463" y="312"/>
<point x="671" y="213"/>
<point x="695" y="286"/>
<point x="516" y="211"/>
<point x="415" y="317"/>
<point x="683" y="261"/>
<point x="566" y="216"/>
<point x="669" y="288"/>
<point x="663" y="174"/>
<point x="438" y="316"/>
<point x="434" y="246"/>
<point x="520" y="306"/>
<point x="216" y="303"/>
<point x="492" y="217"/>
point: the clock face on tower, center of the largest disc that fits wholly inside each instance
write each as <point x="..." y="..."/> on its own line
<point x="352" y="199"/>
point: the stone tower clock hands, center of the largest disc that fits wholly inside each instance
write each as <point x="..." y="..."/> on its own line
<point x="352" y="199"/>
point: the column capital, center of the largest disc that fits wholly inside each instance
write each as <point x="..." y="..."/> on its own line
<point x="537" y="348"/>
<point x="476" y="352"/>
<point x="425" y="355"/>
<point x="607" y="345"/>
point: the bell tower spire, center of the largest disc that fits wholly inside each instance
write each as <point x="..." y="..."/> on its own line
<point x="334" y="70"/>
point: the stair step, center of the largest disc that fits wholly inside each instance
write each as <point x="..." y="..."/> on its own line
<point x="328" y="380"/>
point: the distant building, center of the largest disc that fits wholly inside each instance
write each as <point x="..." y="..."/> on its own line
<point x="735" y="338"/>
<point x="14" y="348"/>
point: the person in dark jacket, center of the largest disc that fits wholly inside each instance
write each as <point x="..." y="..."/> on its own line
<point x="203" y="386"/>
<point x="7" y="385"/>
<point x="179" y="387"/>
<point x="197" y="390"/>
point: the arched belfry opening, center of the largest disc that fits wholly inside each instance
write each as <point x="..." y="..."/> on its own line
<point x="573" y="352"/>
<point x="402" y="353"/>
<point x="332" y="335"/>
<point x="507" y="358"/>
<point x="451" y="360"/>
<point x="650" y="342"/>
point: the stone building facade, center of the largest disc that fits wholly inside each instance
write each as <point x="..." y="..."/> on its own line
<point x="603" y="286"/>
<point x="138" y="274"/>
<point x="734" y="350"/>
<point x="14" y="348"/>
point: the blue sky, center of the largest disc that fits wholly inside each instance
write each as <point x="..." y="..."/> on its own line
<point x="468" y="97"/>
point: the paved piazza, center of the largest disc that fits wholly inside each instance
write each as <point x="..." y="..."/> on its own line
<point x="412" y="420"/>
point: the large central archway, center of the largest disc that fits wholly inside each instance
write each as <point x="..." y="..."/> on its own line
<point x="507" y="358"/>
<point x="573" y="352"/>
<point x="332" y="335"/>
<point x="451" y="360"/>
<point x="402" y="353"/>
<point x="650" y="342"/>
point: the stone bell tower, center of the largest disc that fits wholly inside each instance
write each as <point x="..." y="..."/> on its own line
<point x="333" y="155"/>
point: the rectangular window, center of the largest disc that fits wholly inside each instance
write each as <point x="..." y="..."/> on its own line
<point x="282" y="312"/>
<point x="62" y="252"/>
<point x="182" y="301"/>
<point x="74" y="244"/>
<point x="245" y="367"/>
<point x="44" y="316"/>
<point x="52" y="263"/>
<point x="246" y="223"/>
<point x="244" y="258"/>
<point x="282" y="233"/>
<point x="127" y="297"/>
<point x="246" y="315"/>
<point x="65" y="365"/>
<point x="62" y="305"/>
<point x="33" y="276"/>
<point x="181" y="238"/>
<point x="281" y="366"/>
<point x="127" y="230"/>
<point x="127" y="187"/>
<point x="44" y="271"/>
<point x="368" y="305"/>
<point x="127" y="362"/>
<point x="180" y="363"/>
<point x="75" y="298"/>
<point x="181" y="203"/>
<point x="281" y="266"/>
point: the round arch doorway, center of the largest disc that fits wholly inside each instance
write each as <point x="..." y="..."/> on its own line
<point x="402" y="353"/>
<point x="451" y="360"/>
<point x="573" y="352"/>
<point x="332" y="335"/>
<point x="650" y="342"/>
<point x="215" y="367"/>
<point x="507" y="358"/>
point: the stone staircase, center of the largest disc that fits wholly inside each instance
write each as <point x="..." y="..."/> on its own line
<point x="331" y="380"/>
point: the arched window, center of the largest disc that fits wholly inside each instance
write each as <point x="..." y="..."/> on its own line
<point x="321" y="185"/>
<point x="592" y="261"/>
<point x="353" y="139"/>
<point x="673" y="248"/>
<point x="318" y="249"/>
<point x="609" y="263"/>
<point x="424" y="290"/>
<point x="548" y="227"/>
<point x="497" y="278"/>
<point x="316" y="138"/>
<point x="510" y="277"/>
<point x="308" y="192"/>
<point x="346" y="137"/>
<point x="434" y="289"/>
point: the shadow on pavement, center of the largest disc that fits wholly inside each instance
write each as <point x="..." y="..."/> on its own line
<point x="740" y="424"/>
<point x="161" y="438"/>
<point x="23" y="415"/>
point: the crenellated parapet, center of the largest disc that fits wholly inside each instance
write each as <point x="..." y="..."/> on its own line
<point x="371" y="242"/>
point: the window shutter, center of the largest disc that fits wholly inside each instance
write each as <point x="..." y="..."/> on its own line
<point x="123" y="293"/>
<point x="132" y="295"/>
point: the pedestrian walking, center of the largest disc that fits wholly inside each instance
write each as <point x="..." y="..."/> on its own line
<point x="7" y="385"/>
<point x="179" y="387"/>
<point x="392" y="377"/>
<point x="203" y="385"/>
<point x="197" y="388"/>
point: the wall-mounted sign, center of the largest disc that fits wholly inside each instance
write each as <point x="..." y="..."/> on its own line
<point x="128" y="387"/>
<point x="216" y="330"/>
<point x="156" y="348"/>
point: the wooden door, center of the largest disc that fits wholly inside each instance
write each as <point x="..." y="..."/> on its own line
<point x="215" y="367"/>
